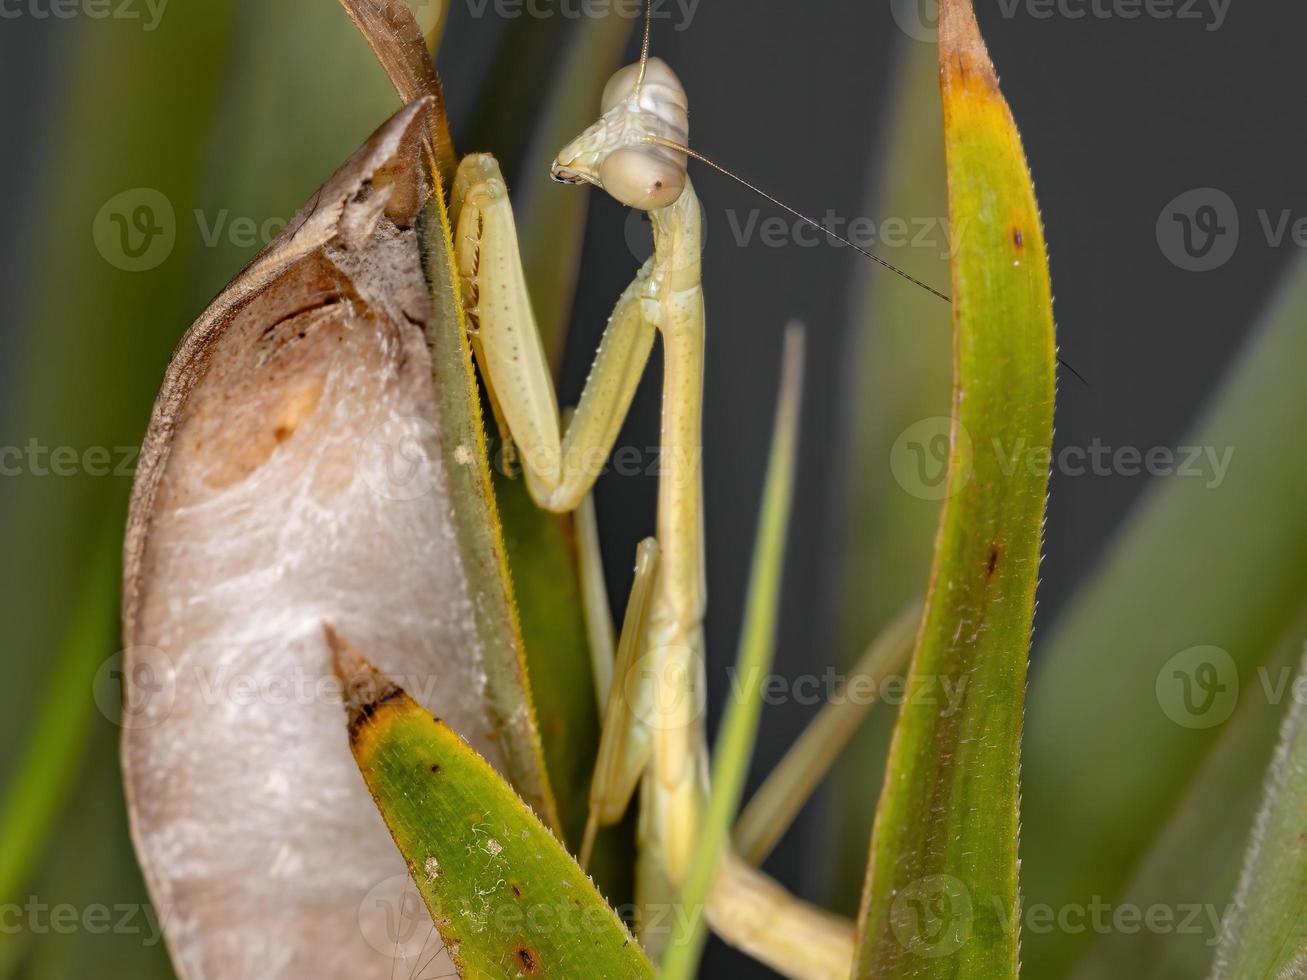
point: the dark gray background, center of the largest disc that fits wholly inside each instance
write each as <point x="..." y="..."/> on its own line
<point x="1119" y="116"/>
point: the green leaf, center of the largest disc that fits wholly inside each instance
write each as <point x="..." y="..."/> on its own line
<point x="507" y="898"/>
<point x="48" y="760"/>
<point x="1266" y="935"/>
<point x="1187" y="882"/>
<point x="898" y="391"/>
<point x="739" y="728"/>
<point x="392" y="33"/>
<point x="95" y="884"/>
<point x="1095" y="691"/>
<point x="941" y="891"/>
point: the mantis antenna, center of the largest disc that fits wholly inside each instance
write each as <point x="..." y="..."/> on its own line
<point x="696" y="155"/>
<point x="644" y="47"/>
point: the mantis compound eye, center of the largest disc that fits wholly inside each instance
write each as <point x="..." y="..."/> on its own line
<point x="647" y="178"/>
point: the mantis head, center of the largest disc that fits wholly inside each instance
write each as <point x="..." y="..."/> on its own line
<point x="625" y="152"/>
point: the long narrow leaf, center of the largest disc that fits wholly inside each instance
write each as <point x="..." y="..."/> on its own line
<point x="48" y="759"/>
<point x="941" y="891"/>
<point x="1266" y="935"/>
<point x="1187" y="881"/>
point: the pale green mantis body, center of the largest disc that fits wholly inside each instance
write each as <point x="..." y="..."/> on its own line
<point x="653" y="735"/>
<point x="560" y="467"/>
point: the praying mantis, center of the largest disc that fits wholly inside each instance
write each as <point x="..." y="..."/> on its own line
<point x="653" y="738"/>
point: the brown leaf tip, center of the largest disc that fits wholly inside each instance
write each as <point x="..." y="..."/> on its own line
<point x="963" y="56"/>
<point x="364" y="688"/>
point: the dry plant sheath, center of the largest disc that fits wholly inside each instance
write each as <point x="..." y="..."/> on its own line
<point x="295" y="473"/>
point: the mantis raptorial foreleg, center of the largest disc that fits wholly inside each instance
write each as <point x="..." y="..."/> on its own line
<point x="560" y="467"/>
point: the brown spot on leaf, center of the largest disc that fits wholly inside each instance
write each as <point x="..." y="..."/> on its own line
<point x="1018" y="239"/>
<point x="527" y="957"/>
<point x="992" y="564"/>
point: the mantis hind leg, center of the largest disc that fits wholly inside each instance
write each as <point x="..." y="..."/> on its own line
<point x="625" y="742"/>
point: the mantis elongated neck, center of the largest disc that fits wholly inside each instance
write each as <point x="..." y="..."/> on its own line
<point x="678" y="241"/>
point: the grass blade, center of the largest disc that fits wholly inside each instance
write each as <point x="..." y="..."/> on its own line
<point x="739" y="727"/>
<point x="508" y="900"/>
<point x="1266" y="936"/>
<point x="48" y="761"/>
<point x="1189" y="877"/>
<point x="772" y="809"/>
<point x="941" y="890"/>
